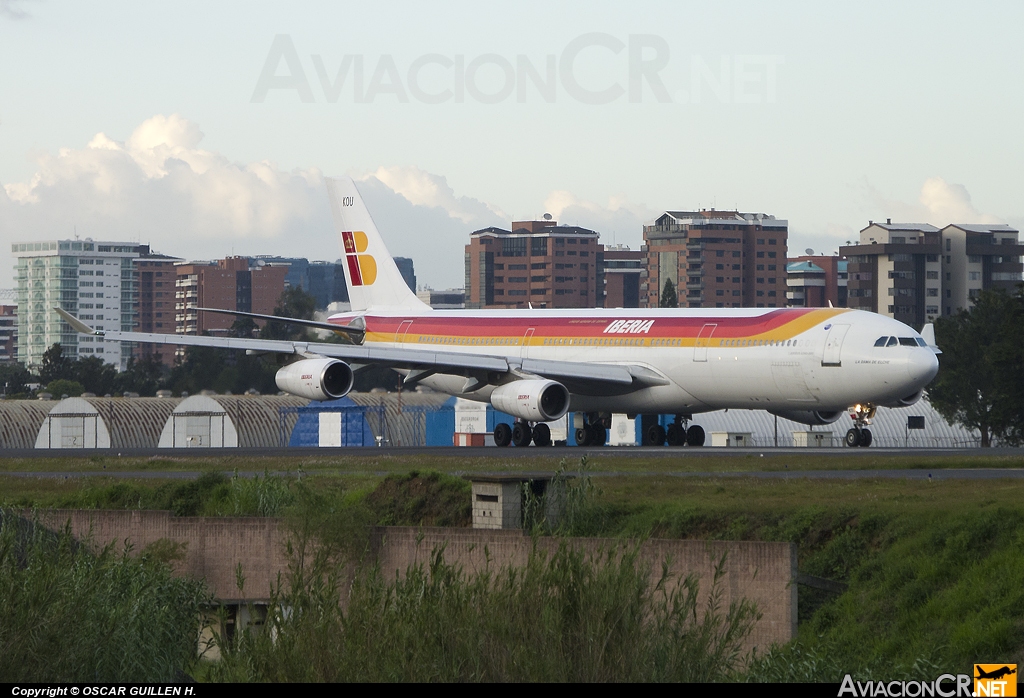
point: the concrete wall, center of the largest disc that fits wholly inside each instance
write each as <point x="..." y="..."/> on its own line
<point x="764" y="573"/>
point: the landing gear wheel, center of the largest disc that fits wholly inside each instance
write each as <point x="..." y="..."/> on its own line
<point x="853" y="438"/>
<point x="583" y="437"/>
<point x="598" y="435"/>
<point x="522" y="434"/>
<point x="695" y="436"/>
<point x="655" y="436"/>
<point x="865" y="437"/>
<point x="542" y="435"/>
<point x="502" y="434"/>
<point x="676" y="435"/>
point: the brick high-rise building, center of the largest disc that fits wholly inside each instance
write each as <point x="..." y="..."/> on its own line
<point x="155" y="276"/>
<point x="716" y="259"/>
<point x="230" y="284"/>
<point x="538" y="263"/>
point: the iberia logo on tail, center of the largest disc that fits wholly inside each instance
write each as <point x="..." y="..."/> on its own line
<point x="362" y="268"/>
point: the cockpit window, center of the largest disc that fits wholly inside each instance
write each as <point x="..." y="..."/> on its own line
<point x="907" y="342"/>
<point x="881" y="341"/>
<point x="921" y="342"/>
<point x="892" y="342"/>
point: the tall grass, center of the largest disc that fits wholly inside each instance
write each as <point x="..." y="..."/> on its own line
<point x="69" y="615"/>
<point x="564" y="617"/>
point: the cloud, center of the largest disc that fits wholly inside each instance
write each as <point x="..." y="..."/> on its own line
<point x="618" y="220"/>
<point x="940" y="203"/>
<point x="422" y="188"/>
<point x="159" y="186"/>
<point x="11" y="10"/>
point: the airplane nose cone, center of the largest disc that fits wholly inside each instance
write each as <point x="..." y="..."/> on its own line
<point x="922" y="367"/>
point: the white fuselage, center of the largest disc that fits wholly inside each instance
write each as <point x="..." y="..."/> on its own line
<point x="773" y="359"/>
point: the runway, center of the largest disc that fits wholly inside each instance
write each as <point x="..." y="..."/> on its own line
<point x="507" y="453"/>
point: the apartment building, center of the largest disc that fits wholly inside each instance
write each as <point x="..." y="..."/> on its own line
<point x="230" y="284"/>
<point x="816" y="281"/>
<point x="538" y="263"/>
<point x="716" y="259"/>
<point x="8" y="329"/>
<point x="155" y="276"/>
<point x="895" y="271"/>
<point x="977" y="257"/>
<point x="619" y="272"/>
<point x="91" y="279"/>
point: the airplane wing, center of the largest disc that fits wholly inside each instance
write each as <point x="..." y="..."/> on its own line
<point x="579" y="378"/>
<point x="356" y="333"/>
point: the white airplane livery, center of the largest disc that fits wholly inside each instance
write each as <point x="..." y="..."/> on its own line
<point x="810" y="365"/>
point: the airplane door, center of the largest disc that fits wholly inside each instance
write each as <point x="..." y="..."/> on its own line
<point x="700" y="346"/>
<point x="524" y="351"/>
<point x="403" y="329"/>
<point x="834" y="345"/>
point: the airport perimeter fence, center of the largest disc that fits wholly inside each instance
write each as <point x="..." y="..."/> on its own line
<point x="837" y="441"/>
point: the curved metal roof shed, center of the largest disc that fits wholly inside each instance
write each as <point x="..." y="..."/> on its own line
<point x="105" y="422"/>
<point x="20" y="421"/>
<point x="229" y="421"/>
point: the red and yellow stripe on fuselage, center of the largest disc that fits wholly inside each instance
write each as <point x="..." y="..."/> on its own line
<point x="592" y="328"/>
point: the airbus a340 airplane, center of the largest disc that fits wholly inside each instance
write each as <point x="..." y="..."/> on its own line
<point x="807" y="365"/>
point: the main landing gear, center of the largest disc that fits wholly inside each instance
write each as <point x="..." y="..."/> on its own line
<point x="521" y="434"/>
<point x="860" y="435"/>
<point x="594" y="431"/>
<point x="677" y="434"/>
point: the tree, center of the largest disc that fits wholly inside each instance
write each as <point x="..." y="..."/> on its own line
<point x="95" y="374"/>
<point x="14" y="379"/>
<point x="143" y="375"/>
<point x="293" y="303"/>
<point x="981" y="368"/>
<point x="668" y="296"/>
<point x="62" y="386"/>
<point x="55" y="365"/>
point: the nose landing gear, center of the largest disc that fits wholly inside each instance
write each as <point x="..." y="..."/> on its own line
<point x="860" y="435"/>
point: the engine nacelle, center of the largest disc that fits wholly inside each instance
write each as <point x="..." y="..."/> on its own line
<point x="532" y="400"/>
<point x="905" y="401"/>
<point x="810" y="417"/>
<point x="316" y="379"/>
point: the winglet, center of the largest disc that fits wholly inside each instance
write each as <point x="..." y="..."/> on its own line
<point x="77" y="324"/>
<point x="928" y="335"/>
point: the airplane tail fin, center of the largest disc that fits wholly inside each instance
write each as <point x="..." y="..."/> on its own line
<point x="372" y="275"/>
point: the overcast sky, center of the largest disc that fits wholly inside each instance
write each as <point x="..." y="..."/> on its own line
<point x="205" y="128"/>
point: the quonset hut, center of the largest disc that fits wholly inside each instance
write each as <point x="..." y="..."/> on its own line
<point x="105" y="422"/>
<point x="20" y="421"/>
<point x="228" y="421"/>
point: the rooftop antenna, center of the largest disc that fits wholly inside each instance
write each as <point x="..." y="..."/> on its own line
<point x="809" y="252"/>
<point x="547" y="216"/>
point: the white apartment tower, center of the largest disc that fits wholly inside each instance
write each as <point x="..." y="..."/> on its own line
<point x="91" y="279"/>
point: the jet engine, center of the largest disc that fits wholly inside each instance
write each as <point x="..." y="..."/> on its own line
<point x="316" y="379"/>
<point x="905" y="401"/>
<point x="810" y="417"/>
<point x="532" y="400"/>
